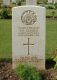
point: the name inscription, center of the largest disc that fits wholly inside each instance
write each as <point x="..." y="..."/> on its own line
<point x="28" y="31"/>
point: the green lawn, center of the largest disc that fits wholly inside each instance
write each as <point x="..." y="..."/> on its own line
<point x="6" y="38"/>
<point x="51" y="37"/>
<point x="49" y="12"/>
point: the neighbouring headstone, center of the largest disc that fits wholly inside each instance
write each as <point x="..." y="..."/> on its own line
<point x="6" y="2"/>
<point x="50" y="1"/>
<point x="55" y="1"/>
<point x="13" y="1"/>
<point x="31" y="2"/>
<point x="28" y="35"/>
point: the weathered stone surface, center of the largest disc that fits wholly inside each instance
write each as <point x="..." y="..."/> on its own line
<point x="28" y="35"/>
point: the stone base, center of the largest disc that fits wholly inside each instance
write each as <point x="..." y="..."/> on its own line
<point x="39" y="65"/>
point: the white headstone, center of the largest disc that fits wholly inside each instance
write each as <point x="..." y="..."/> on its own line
<point x="55" y="1"/>
<point x="6" y="2"/>
<point x="30" y="2"/>
<point x="13" y="1"/>
<point x="50" y="1"/>
<point x="28" y="36"/>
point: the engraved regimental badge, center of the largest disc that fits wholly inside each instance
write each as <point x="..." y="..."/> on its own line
<point x="28" y="17"/>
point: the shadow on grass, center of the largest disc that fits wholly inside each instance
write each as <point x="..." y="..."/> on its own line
<point x="7" y="60"/>
<point x="50" y="63"/>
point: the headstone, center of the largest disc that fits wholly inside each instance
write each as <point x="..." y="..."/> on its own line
<point x="50" y="1"/>
<point x="6" y="2"/>
<point x="55" y="1"/>
<point x="28" y="36"/>
<point x="30" y="2"/>
<point x="13" y="1"/>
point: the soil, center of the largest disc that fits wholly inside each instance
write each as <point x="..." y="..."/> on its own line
<point x="6" y="72"/>
<point x="49" y="74"/>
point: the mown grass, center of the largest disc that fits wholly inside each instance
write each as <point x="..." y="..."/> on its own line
<point x="49" y="12"/>
<point x="6" y="37"/>
<point x="51" y="37"/>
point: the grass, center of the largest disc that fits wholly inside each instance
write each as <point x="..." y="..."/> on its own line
<point x="51" y="37"/>
<point x="6" y="38"/>
<point x="49" y="12"/>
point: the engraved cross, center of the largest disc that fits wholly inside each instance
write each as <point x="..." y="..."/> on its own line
<point x="28" y="44"/>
